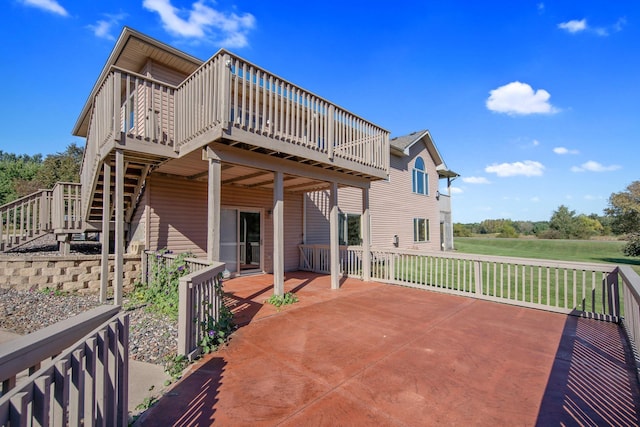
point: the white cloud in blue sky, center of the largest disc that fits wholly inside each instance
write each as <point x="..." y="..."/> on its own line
<point x="517" y="98"/>
<point x="574" y="26"/>
<point x="593" y="166"/>
<point x="48" y="5"/>
<point x="564" y="150"/>
<point x="475" y="180"/>
<point x="203" y="22"/>
<point x="104" y="28"/>
<point x="525" y="168"/>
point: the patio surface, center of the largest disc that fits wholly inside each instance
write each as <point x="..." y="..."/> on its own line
<point x="380" y="355"/>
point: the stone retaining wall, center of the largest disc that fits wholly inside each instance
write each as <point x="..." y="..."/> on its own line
<point x="67" y="273"/>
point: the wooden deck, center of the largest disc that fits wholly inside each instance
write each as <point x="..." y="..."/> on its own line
<point x="375" y="354"/>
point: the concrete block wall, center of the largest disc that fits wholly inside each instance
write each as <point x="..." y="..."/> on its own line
<point x="66" y="273"/>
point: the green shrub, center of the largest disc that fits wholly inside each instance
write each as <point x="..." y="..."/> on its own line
<point x="632" y="248"/>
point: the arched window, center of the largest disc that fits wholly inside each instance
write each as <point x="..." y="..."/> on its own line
<point x="420" y="177"/>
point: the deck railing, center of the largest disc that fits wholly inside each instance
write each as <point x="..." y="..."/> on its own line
<point x="78" y="372"/>
<point x="127" y="105"/>
<point x="630" y="282"/>
<point x="229" y="90"/>
<point x="44" y="211"/>
<point x="24" y="218"/>
<point x="579" y="288"/>
<point x="67" y="214"/>
<point x="199" y="301"/>
<point x="198" y="296"/>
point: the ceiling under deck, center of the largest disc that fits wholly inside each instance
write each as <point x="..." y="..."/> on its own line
<point x="192" y="166"/>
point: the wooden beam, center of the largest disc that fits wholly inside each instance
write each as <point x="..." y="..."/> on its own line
<point x="366" y="236"/>
<point x="334" y="250"/>
<point x="278" y="233"/>
<point x="104" y="272"/>
<point x="213" y="210"/>
<point x="118" y="273"/>
<point x="245" y="177"/>
<point x="288" y="167"/>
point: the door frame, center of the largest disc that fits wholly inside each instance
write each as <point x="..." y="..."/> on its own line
<point x="250" y="209"/>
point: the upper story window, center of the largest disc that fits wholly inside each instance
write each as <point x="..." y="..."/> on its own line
<point x="420" y="177"/>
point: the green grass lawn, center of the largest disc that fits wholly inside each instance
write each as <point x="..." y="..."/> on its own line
<point x="564" y="250"/>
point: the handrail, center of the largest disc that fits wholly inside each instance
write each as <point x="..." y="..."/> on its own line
<point x="198" y="301"/>
<point x="631" y="302"/>
<point x="587" y="289"/>
<point x="85" y="384"/>
<point x="30" y="350"/>
<point x="227" y="89"/>
<point x="25" y="218"/>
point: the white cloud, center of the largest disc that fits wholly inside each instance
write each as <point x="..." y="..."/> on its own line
<point x="475" y="180"/>
<point x="593" y="166"/>
<point x="202" y="21"/>
<point x="573" y="26"/>
<point x="526" y="168"/>
<point x="103" y="27"/>
<point x="540" y="7"/>
<point x="535" y="199"/>
<point x="535" y="142"/>
<point x="518" y="98"/>
<point x="48" y="5"/>
<point x="592" y="197"/>
<point x="456" y="190"/>
<point x="563" y="150"/>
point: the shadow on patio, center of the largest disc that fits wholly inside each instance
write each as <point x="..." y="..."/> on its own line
<point x="374" y="354"/>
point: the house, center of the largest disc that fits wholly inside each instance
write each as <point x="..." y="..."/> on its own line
<point x="407" y="210"/>
<point x="216" y="157"/>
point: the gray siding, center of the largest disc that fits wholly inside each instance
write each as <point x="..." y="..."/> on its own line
<point x="178" y="217"/>
<point x="393" y="206"/>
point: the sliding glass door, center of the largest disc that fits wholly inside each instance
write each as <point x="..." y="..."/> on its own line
<point x="241" y="240"/>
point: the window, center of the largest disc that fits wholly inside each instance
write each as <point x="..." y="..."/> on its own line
<point x="349" y="230"/>
<point x="420" y="177"/>
<point x="420" y="230"/>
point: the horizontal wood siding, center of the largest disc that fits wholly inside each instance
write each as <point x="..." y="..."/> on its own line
<point x="393" y="206"/>
<point x="317" y="218"/>
<point x="162" y="73"/>
<point x="178" y="217"/>
<point x="138" y="227"/>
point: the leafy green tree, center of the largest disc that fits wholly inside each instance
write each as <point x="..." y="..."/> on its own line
<point x="624" y="209"/>
<point x="632" y="248"/>
<point x="60" y="167"/>
<point x="16" y="169"/>
<point x="507" y="231"/>
<point x="461" y="230"/>
<point x="564" y="222"/>
<point x="587" y="227"/>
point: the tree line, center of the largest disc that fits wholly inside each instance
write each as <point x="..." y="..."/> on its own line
<point x="621" y="218"/>
<point x="22" y="174"/>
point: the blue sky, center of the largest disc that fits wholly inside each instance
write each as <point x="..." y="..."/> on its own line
<point x="535" y="104"/>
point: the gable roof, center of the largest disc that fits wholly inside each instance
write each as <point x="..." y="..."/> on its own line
<point x="401" y="145"/>
<point x="131" y="52"/>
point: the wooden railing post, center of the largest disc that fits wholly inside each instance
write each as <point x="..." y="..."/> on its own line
<point x="477" y="274"/>
<point x="331" y="131"/>
<point x="225" y="91"/>
<point x="185" y="316"/>
<point x="117" y="119"/>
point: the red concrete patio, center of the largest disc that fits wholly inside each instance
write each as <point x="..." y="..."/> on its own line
<point x="380" y="355"/>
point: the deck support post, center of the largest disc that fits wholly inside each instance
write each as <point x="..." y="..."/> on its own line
<point x="118" y="275"/>
<point x="334" y="244"/>
<point x="366" y="236"/>
<point x="104" y="236"/>
<point x="213" y="207"/>
<point x="278" y="233"/>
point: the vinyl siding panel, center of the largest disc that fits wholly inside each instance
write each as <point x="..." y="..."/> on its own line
<point x="392" y="204"/>
<point x="178" y="217"/>
<point x="138" y="227"/>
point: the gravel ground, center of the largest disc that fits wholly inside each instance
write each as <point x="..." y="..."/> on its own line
<point x="151" y="337"/>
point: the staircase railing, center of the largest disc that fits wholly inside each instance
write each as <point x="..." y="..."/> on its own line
<point x="45" y="211"/>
